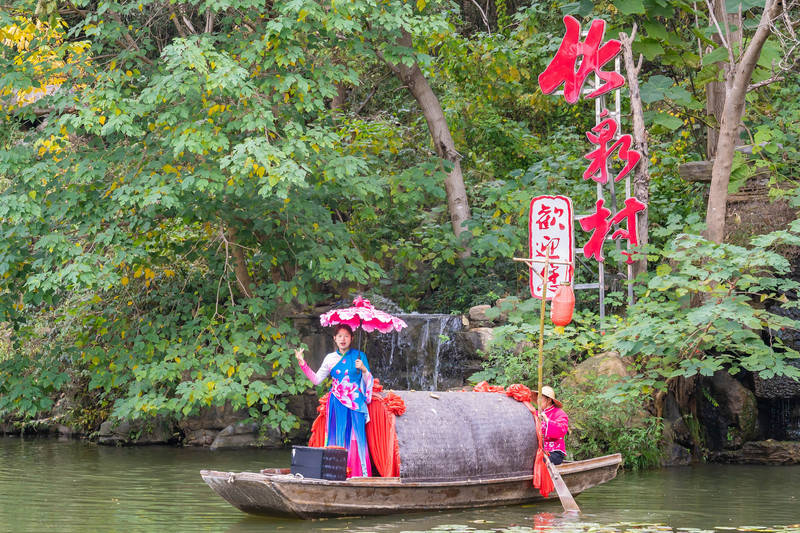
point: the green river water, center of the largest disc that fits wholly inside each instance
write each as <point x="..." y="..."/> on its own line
<point x="66" y="486"/>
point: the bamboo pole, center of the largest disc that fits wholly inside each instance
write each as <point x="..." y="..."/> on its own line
<point x="541" y="326"/>
<point x="567" y="501"/>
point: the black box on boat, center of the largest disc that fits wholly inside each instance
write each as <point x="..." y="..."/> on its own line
<point x="320" y="463"/>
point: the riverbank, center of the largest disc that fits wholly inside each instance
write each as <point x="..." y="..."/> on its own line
<point x="213" y="427"/>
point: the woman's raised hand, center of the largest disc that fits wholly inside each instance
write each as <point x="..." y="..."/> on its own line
<point x="360" y="365"/>
<point x="298" y="354"/>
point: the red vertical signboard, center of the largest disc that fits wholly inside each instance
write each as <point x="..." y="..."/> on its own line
<point x="574" y="61"/>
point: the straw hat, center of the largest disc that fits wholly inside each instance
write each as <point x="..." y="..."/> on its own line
<point x="548" y="392"/>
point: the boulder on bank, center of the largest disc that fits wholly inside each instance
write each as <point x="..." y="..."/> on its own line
<point x="151" y="431"/>
<point x="203" y="428"/>
<point x="778" y="386"/>
<point x="247" y="435"/>
<point x="676" y="430"/>
<point x="474" y="340"/>
<point x="505" y="306"/>
<point x="676" y="455"/>
<point x="478" y="318"/>
<point x="238" y="435"/>
<point x="608" y="364"/>
<point x="765" y="452"/>
<point x="731" y="419"/>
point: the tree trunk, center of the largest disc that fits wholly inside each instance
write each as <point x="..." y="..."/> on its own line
<point x="337" y="102"/>
<point x="457" y="202"/>
<point x="716" y="90"/>
<point x="641" y="178"/>
<point x="243" y="280"/>
<point x="729" y="126"/>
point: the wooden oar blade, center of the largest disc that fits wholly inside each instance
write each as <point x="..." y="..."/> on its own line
<point x="567" y="501"/>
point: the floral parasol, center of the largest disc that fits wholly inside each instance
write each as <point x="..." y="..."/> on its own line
<point x="363" y="315"/>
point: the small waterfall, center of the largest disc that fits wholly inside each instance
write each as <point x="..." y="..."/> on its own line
<point x="438" y="350"/>
<point x="779" y="397"/>
<point x="784" y="419"/>
<point x="421" y="357"/>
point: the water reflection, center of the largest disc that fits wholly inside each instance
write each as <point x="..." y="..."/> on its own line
<point x="75" y="486"/>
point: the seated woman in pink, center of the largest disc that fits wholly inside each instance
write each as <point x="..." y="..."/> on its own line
<point x="555" y="425"/>
<point x="351" y="391"/>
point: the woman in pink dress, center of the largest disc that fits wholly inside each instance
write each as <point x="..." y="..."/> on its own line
<point x="555" y="426"/>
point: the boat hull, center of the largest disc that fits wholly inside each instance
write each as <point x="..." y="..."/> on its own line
<point x="282" y="494"/>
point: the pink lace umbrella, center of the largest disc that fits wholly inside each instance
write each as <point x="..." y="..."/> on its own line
<point x="363" y="315"/>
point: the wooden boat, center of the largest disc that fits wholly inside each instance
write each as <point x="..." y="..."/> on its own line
<point x="276" y="492"/>
<point x="457" y="450"/>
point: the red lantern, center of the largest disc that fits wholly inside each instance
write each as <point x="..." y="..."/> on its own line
<point x="562" y="306"/>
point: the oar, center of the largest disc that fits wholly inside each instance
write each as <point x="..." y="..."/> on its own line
<point x="561" y="488"/>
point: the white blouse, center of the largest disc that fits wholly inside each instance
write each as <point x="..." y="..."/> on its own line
<point x="330" y="361"/>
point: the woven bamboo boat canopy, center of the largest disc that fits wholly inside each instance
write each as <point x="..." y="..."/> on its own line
<point x="453" y="436"/>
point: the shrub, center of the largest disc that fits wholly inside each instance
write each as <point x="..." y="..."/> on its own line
<point x="601" y="424"/>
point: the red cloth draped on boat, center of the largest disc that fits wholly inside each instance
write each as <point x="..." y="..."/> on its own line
<point x="521" y="393"/>
<point x="384" y="449"/>
<point x="317" y="439"/>
<point x="541" y="477"/>
<point x="485" y="387"/>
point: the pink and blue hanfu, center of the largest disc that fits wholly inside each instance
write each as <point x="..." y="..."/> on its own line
<point x="351" y="391"/>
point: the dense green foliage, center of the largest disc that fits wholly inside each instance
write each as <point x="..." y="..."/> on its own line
<point x="173" y="161"/>
<point x="598" y="425"/>
<point x="731" y="327"/>
<point x="706" y="307"/>
<point x="190" y="184"/>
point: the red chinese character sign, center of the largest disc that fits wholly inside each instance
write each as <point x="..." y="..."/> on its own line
<point x="550" y="236"/>
<point x="600" y="224"/>
<point x="562" y="68"/>
<point x="605" y="132"/>
<point x="573" y="63"/>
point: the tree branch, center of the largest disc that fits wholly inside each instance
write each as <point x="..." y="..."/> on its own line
<point x="243" y="279"/>
<point x="174" y="18"/>
<point x="641" y="178"/>
<point x="731" y="118"/>
<point x="131" y="42"/>
<point x="188" y="23"/>
<point x="754" y="86"/>
<point x="719" y="31"/>
<point x="483" y="16"/>
<point x="370" y="95"/>
<point x="73" y="9"/>
<point x="697" y="25"/>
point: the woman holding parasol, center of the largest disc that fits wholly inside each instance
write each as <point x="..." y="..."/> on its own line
<point x="351" y="387"/>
